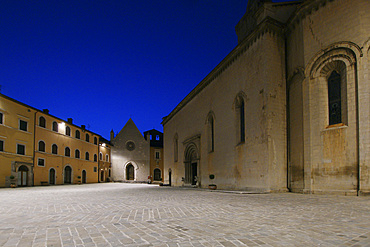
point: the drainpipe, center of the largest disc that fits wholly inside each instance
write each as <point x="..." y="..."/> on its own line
<point x="34" y="149"/>
<point x="357" y="130"/>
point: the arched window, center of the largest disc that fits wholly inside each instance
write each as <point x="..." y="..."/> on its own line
<point x="157" y="175"/>
<point x="175" y="148"/>
<point x="77" y="135"/>
<point x="55" y="126"/>
<point x="67" y="152"/>
<point x="335" y="99"/>
<point x="211" y="132"/>
<point x="240" y="114"/>
<point x="95" y="157"/>
<point x="106" y="158"/>
<point x="68" y="131"/>
<point x="54" y="149"/>
<point x="87" y="156"/>
<point x="100" y="156"/>
<point x="41" y="146"/>
<point x="77" y="154"/>
<point x="87" y="137"/>
<point x="42" y="122"/>
<point x="95" y="141"/>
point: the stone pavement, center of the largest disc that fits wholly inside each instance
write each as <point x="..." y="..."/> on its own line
<point x="117" y="214"/>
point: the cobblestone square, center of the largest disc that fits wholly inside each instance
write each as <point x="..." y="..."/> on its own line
<point x="117" y="214"/>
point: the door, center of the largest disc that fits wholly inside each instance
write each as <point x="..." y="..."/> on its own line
<point x="22" y="175"/>
<point x="52" y="176"/>
<point x="67" y="175"/>
<point x="130" y="172"/>
<point x="84" y="177"/>
<point x="101" y="176"/>
<point x="194" y="173"/>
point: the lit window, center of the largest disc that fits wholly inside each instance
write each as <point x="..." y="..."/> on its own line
<point x="40" y="162"/>
<point x="77" y="134"/>
<point x="41" y="146"/>
<point x="22" y="125"/>
<point x="77" y="154"/>
<point x="42" y="122"/>
<point x="55" y="126"/>
<point x="67" y="152"/>
<point x="21" y="149"/>
<point x="68" y="131"/>
<point x="54" y="149"/>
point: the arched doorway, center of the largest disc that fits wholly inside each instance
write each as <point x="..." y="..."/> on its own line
<point x="52" y="176"/>
<point x="84" y="177"/>
<point x="130" y="172"/>
<point x="22" y="175"/>
<point x="67" y="175"/>
<point x="157" y="174"/>
<point x="102" y="176"/>
<point x="191" y="164"/>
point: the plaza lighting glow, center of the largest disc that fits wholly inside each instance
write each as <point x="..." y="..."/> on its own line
<point x="103" y="145"/>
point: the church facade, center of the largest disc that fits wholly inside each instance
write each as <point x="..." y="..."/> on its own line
<point x="286" y="110"/>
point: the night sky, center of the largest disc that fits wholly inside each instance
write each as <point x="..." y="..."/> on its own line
<point x="102" y="62"/>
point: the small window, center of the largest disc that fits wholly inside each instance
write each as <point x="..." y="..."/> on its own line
<point x="157" y="155"/>
<point x="107" y="158"/>
<point x="100" y="156"/>
<point x="40" y="162"/>
<point x="1" y="145"/>
<point x="54" y="149"/>
<point x="87" y="156"/>
<point x="95" y="169"/>
<point x="68" y="131"/>
<point x="42" y="122"/>
<point x="87" y="138"/>
<point x="95" y="157"/>
<point x="21" y="149"/>
<point x="1" y="118"/>
<point x="151" y="137"/>
<point x="22" y="125"/>
<point x="95" y="141"/>
<point x="55" y="126"/>
<point x="157" y="138"/>
<point x="77" y="134"/>
<point x="67" y="152"/>
<point x="334" y="92"/>
<point x="41" y="146"/>
<point x="77" y="154"/>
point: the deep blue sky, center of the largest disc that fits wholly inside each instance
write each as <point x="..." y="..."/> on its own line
<point x="102" y="62"/>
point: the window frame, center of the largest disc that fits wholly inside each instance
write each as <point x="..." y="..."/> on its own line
<point x="78" y="136"/>
<point x="65" y="152"/>
<point x="52" y="148"/>
<point x="55" y="126"/>
<point x="20" y="125"/>
<point x="38" y="146"/>
<point x="77" y="151"/>
<point x="38" y="162"/>
<point x="87" y="156"/>
<point x="68" y="131"/>
<point x="44" y="123"/>
<point x="2" y="145"/>
<point x="1" y="118"/>
<point x="24" y="149"/>
<point x="87" y="137"/>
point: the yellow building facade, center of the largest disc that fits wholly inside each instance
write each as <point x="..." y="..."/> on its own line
<point x="16" y="142"/>
<point x="64" y="153"/>
<point x="37" y="148"/>
<point x="105" y="165"/>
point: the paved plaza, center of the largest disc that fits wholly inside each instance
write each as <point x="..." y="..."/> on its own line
<point x="117" y="214"/>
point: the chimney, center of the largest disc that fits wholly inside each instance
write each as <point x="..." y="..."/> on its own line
<point x="111" y="135"/>
<point x="45" y="111"/>
<point x="69" y="120"/>
<point x="83" y="126"/>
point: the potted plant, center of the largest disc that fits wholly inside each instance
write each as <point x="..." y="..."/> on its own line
<point x="12" y="181"/>
<point x="212" y="186"/>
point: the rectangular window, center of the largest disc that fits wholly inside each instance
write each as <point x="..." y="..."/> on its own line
<point x="95" y="169"/>
<point x="21" y="149"/>
<point x="157" y="155"/>
<point x="1" y="145"/>
<point x="22" y="125"/>
<point x="1" y="118"/>
<point x="41" y="162"/>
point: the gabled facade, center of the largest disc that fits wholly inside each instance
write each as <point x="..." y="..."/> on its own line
<point x="287" y="109"/>
<point x="130" y="155"/>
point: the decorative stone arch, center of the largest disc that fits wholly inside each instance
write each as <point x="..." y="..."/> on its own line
<point x="52" y="176"/>
<point x="15" y="165"/>
<point x="126" y="168"/>
<point x="191" y="162"/>
<point x="67" y="174"/>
